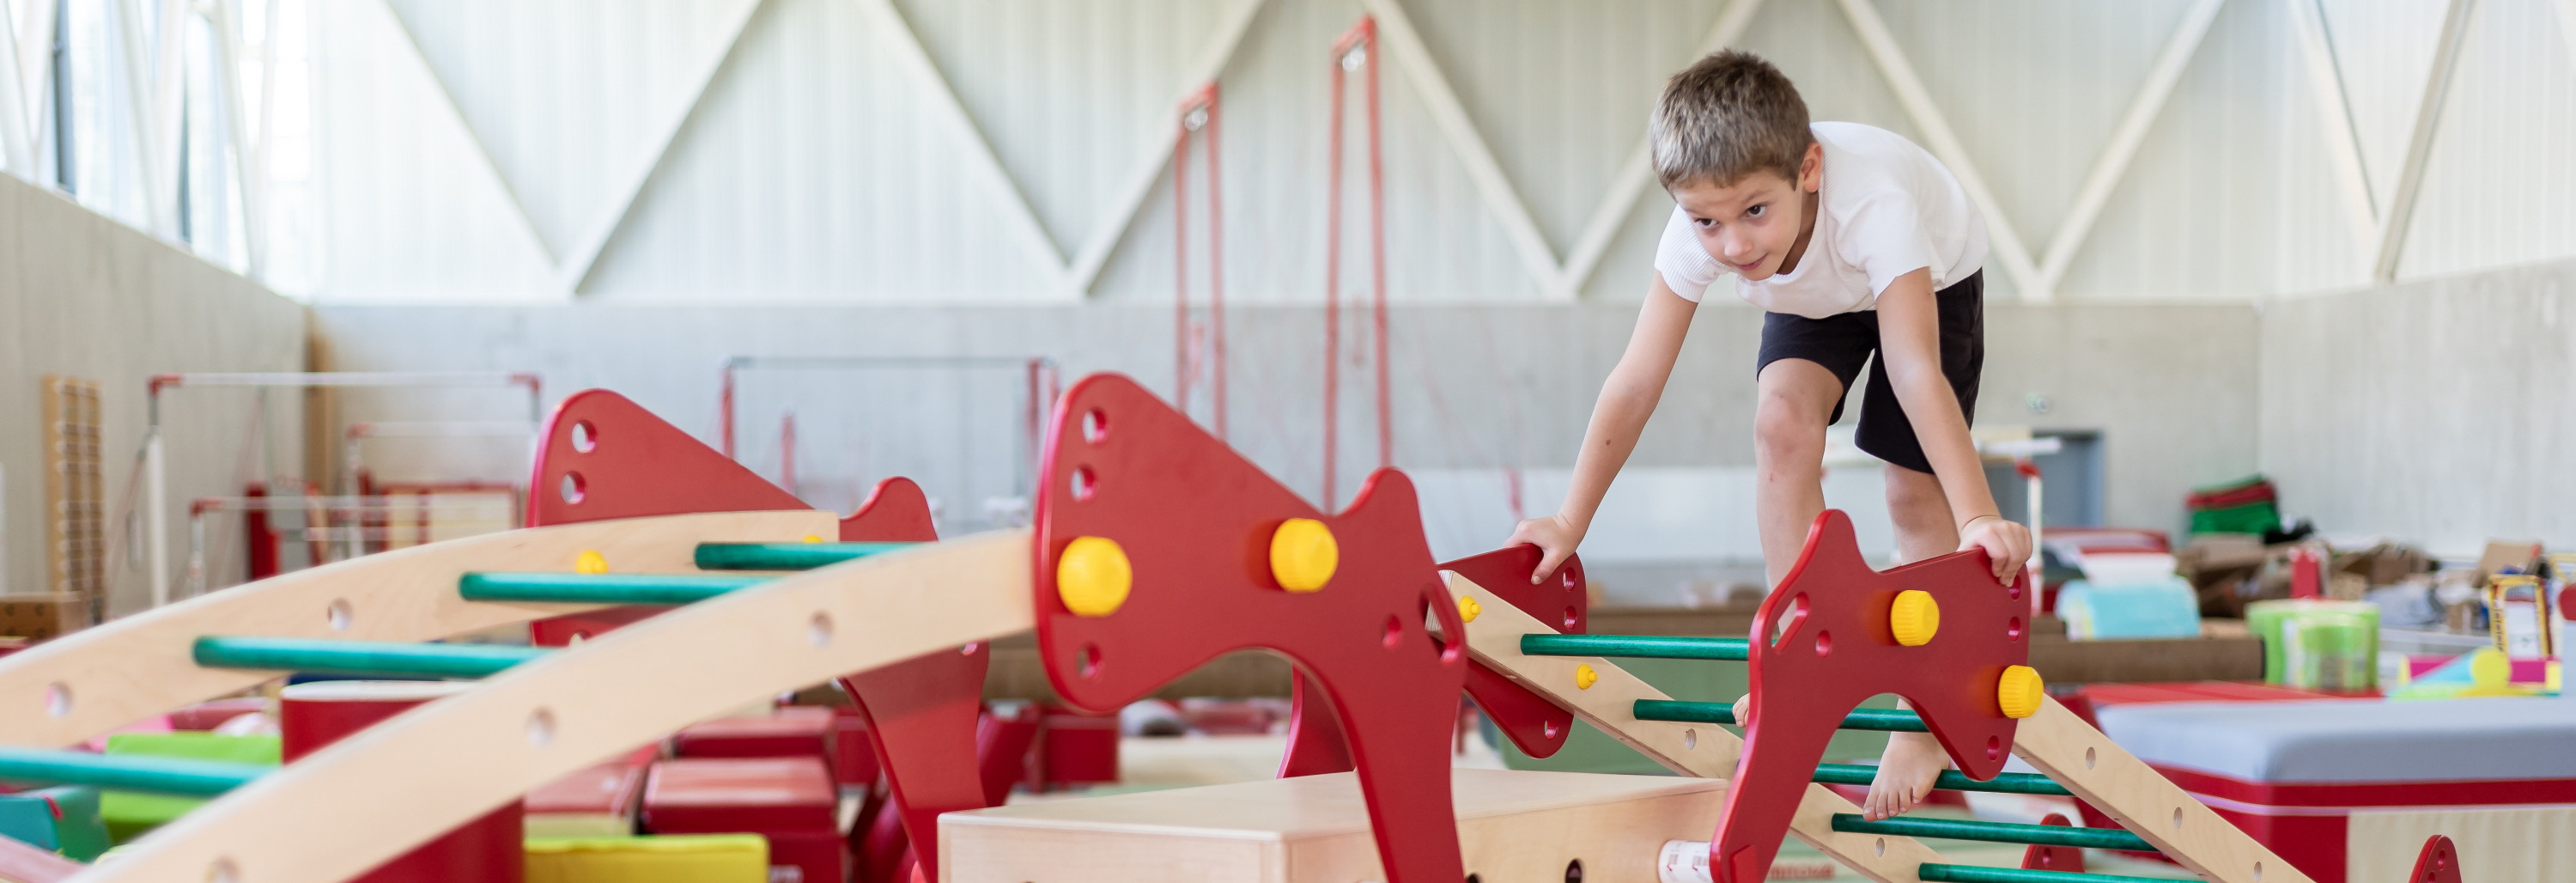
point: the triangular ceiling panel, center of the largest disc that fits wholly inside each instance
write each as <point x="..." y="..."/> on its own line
<point x="2384" y="52"/>
<point x="569" y="96"/>
<point x="407" y="187"/>
<point x="1069" y="95"/>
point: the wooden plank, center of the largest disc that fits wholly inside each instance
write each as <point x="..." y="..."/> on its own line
<point x="75" y="499"/>
<point x="124" y="671"/>
<point x="1690" y="749"/>
<point x="330" y="816"/>
<point x="1512" y="825"/>
<point x="2118" y="783"/>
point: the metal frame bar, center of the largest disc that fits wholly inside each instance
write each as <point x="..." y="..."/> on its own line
<point x="2400" y="218"/>
<point x="2113" y="165"/>
<point x="2006" y="245"/>
<point x="575" y="266"/>
<point x="2334" y="121"/>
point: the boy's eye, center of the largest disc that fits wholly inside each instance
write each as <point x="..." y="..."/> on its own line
<point x="1756" y="211"/>
<point x="1704" y="222"/>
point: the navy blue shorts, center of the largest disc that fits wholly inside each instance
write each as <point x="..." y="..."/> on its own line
<point x="1844" y="343"/>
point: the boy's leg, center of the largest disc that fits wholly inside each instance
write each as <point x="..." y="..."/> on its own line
<point x="1793" y="400"/>
<point x="1912" y="761"/>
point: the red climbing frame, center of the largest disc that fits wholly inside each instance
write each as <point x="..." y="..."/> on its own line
<point x="1354" y="51"/>
<point x="2438" y="863"/>
<point x="1198" y="113"/>
<point x="1836" y="648"/>
<point x="1195" y="522"/>
<point x="921" y="714"/>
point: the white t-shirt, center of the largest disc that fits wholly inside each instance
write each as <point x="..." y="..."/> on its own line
<point x="1886" y="208"/>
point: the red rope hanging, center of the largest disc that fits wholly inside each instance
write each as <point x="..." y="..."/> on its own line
<point x="1198" y="114"/>
<point x="1351" y="53"/>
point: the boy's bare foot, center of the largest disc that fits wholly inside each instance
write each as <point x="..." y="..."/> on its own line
<point x="1905" y="774"/>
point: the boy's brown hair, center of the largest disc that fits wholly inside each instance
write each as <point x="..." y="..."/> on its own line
<point x="1725" y="117"/>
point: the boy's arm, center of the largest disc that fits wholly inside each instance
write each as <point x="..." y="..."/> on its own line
<point x="1628" y="397"/>
<point x="1909" y="338"/>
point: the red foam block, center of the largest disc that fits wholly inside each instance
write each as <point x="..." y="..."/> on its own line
<point x="732" y="795"/>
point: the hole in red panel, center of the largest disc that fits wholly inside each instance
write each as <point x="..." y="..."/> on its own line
<point x="1087" y="661"/>
<point x="585" y="438"/>
<point x="1547" y="728"/>
<point x="1824" y="643"/>
<point x="2012" y="628"/>
<point x="1788" y="625"/>
<point x="1571" y="617"/>
<point x="2013" y="591"/>
<point x="1083" y="483"/>
<point x="1566" y="575"/>
<point x="1994" y="747"/>
<point x="1394" y="632"/>
<point x="969" y="649"/>
<point x="573" y="487"/>
<point x="1095" y="425"/>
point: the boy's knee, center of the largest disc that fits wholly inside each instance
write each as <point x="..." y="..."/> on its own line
<point x="1909" y="491"/>
<point x="1785" y="428"/>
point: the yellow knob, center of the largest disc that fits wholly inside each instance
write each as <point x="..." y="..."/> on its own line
<point x="1914" y="618"/>
<point x="1468" y="608"/>
<point x="1303" y="554"/>
<point x="1585" y="677"/>
<point x="2490" y="669"/>
<point x="1092" y="576"/>
<point x="812" y="538"/>
<point x="590" y="562"/>
<point x="2019" y="692"/>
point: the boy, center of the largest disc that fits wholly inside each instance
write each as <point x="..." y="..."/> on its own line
<point x="1853" y="239"/>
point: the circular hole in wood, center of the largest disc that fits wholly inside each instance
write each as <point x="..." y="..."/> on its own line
<point x="541" y="728"/>
<point x="2088" y="758"/>
<point x="58" y="699"/>
<point x="222" y="870"/>
<point x="572" y="488"/>
<point x="1084" y="485"/>
<point x="1690" y="740"/>
<point x="1879" y="848"/>
<point x="585" y="437"/>
<point x="1095" y="425"/>
<point x="2258" y="872"/>
<point x="340" y="615"/>
<point x="2177" y="818"/>
<point x="818" y="630"/>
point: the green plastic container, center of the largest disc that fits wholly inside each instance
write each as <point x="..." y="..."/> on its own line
<point x="128" y="814"/>
<point x="2330" y="636"/>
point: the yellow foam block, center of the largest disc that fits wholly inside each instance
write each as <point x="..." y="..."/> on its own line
<point x="683" y="858"/>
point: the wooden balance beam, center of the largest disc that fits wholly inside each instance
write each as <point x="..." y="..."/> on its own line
<point x="87" y="683"/>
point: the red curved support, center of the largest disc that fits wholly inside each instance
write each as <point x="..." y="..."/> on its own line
<point x="1194" y="520"/>
<point x="1835" y="648"/>
<point x="2438" y="863"/>
<point x="1536" y="726"/>
<point x="920" y="713"/>
<point x="2064" y="859"/>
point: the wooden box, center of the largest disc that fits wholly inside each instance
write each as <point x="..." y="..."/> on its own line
<point x="38" y="617"/>
<point x="1513" y="827"/>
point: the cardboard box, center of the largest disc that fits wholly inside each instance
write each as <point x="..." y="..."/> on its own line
<point x="38" y="617"/>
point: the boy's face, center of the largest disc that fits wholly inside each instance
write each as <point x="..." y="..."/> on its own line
<point x="1759" y="225"/>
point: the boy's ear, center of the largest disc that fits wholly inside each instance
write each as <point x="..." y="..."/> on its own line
<point x="1811" y="168"/>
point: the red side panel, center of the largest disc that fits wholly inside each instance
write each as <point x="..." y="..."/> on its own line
<point x="1836" y="648"/>
<point x="1195" y="521"/>
<point x="1535" y="725"/>
<point x="920" y="713"/>
<point x="2438" y="863"/>
<point x="2064" y="859"/>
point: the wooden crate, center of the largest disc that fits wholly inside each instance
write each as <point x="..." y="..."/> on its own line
<point x="75" y="497"/>
<point x="1513" y="827"/>
<point x="38" y="617"/>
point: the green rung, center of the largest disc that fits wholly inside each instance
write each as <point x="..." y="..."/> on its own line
<point x="601" y="588"/>
<point x="786" y="556"/>
<point x="1881" y="719"/>
<point x="1995" y="832"/>
<point x="361" y="658"/>
<point x="1633" y="646"/>
<point x="1932" y="873"/>
<point x="1950" y="780"/>
<point x="126" y="772"/>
